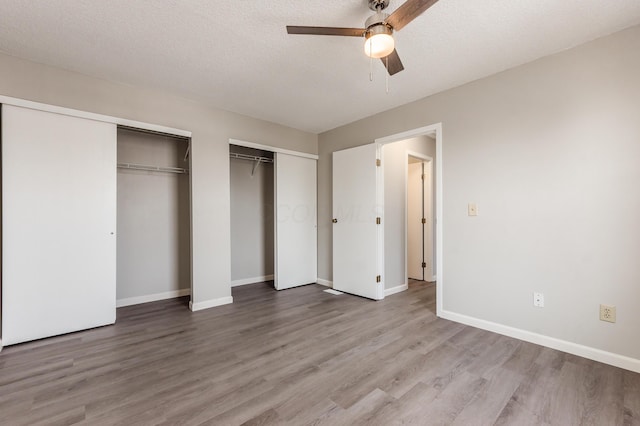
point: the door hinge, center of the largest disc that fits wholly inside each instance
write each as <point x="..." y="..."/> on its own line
<point x="378" y="221"/>
<point x="423" y="175"/>
<point x="424" y="220"/>
<point x="424" y="264"/>
<point x="378" y="162"/>
<point x="378" y="278"/>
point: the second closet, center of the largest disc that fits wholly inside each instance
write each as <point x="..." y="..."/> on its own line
<point x="273" y="216"/>
<point x="252" y="225"/>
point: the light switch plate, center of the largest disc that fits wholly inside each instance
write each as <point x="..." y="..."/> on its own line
<point x="472" y="209"/>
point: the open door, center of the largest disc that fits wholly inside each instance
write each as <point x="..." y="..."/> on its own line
<point x="357" y="216"/>
<point x="296" y="233"/>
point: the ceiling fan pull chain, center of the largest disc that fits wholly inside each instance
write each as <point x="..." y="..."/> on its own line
<point x="387" y="74"/>
<point x="371" y="68"/>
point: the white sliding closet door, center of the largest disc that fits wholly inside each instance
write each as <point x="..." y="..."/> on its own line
<point x="58" y="224"/>
<point x="296" y="232"/>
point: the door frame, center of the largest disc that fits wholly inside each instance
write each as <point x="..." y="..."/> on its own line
<point x="427" y="205"/>
<point x="433" y="129"/>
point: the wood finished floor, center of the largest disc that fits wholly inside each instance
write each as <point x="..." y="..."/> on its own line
<point x="303" y="356"/>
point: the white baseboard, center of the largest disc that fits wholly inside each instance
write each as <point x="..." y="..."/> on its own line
<point x="324" y="282"/>
<point x="396" y="289"/>
<point x="210" y="303"/>
<point x="245" y="281"/>
<point x="152" y="297"/>
<point x="599" y="355"/>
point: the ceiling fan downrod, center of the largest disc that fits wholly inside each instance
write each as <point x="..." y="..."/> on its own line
<point x="378" y="5"/>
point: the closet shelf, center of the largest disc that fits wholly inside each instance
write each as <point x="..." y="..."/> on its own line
<point x="148" y="168"/>
<point x="258" y="160"/>
<point x="251" y="157"/>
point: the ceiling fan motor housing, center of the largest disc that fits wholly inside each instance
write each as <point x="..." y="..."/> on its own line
<point x="377" y="20"/>
<point x="378" y="29"/>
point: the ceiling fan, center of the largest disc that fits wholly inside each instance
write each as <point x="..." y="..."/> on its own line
<point x="377" y="31"/>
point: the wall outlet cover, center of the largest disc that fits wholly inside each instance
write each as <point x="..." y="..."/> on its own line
<point x="607" y="313"/>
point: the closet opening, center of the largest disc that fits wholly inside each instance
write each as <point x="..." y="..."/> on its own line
<point x="252" y="190"/>
<point x="153" y="217"/>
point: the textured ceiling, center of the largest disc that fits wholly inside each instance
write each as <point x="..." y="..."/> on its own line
<point x="236" y="55"/>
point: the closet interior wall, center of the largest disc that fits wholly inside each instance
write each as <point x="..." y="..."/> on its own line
<point x="252" y="216"/>
<point x="153" y="214"/>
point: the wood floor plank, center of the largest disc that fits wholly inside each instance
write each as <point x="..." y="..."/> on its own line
<point x="391" y="411"/>
<point x="490" y="399"/>
<point x="382" y="375"/>
<point x="304" y="357"/>
<point x="515" y="413"/>
<point x="449" y="403"/>
<point x="631" y="398"/>
<point x="534" y="396"/>
<point x="588" y="393"/>
<point x="269" y="417"/>
<point x="500" y="351"/>
<point x="370" y="403"/>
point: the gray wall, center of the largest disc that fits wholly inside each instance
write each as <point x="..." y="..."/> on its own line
<point x="153" y="217"/>
<point x="251" y="220"/>
<point x="211" y="130"/>
<point x="395" y="211"/>
<point x="549" y="152"/>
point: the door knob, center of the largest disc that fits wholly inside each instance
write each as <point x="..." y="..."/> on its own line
<point x="335" y="221"/>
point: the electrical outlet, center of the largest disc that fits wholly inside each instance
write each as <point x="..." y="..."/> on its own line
<point x="538" y="300"/>
<point x="607" y="313"/>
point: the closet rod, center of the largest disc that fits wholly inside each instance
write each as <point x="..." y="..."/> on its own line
<point x="178" y="170"/>
<point x="251" y="157"/>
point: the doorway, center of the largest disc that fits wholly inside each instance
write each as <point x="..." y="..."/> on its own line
<point x="369" y="199"/>
<point x="402" y="232"/>
<point x="434" y="131"/>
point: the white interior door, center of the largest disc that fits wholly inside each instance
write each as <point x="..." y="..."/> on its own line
<point x="415" y="227"/>
<point x="58" y="224"/>
<point x="357" y="238"/>
<point x="296" y="231"/>
<point x="429" y="229"/>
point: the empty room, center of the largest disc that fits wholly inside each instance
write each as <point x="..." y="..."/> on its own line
<point x="361" y="212"/>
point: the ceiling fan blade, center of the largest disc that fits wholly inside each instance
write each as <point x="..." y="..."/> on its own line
<point x="409" y="11"/>
<point x="332" y="31"/>
<point x="393" y="63"/>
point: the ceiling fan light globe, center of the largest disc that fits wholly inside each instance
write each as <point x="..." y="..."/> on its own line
<point x="379" y="45"/>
